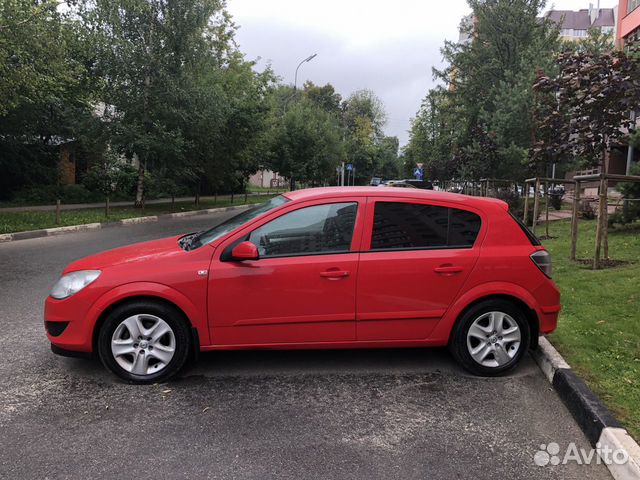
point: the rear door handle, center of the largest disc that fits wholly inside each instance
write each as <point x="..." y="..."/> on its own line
<point x="447" y="269"/>
<point x="334" y="274"/>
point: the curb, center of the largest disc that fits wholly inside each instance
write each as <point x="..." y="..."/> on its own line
<point x="50" y="232"/>
<point x="596" y="421"/>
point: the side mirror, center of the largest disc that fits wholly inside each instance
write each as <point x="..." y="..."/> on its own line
<point x="245" y="251"/>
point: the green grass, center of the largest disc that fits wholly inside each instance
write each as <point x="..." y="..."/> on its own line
<point x="599" y="327"/>
<point x="11" y="222"/>
<point x="255" y="189"/>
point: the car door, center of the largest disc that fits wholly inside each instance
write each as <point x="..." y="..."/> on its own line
<point x="301" y="289"/>
<point x="415" y="258"/>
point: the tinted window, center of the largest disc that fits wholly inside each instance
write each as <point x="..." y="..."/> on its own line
<point x="317" y="229"/>
<point x="463" y="228"/>
<point x="410" y="225"/>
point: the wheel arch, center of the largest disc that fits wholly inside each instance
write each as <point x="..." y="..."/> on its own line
<point x="517" y="295"/>
<point x="529" y="313"/>
<point x="151" y="292"/>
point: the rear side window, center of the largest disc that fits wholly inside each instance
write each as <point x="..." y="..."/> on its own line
<point x="400" y="226"/>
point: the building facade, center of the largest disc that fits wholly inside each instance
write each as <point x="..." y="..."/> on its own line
<point x="574" y="25"/>
<point x="629" y="23"/>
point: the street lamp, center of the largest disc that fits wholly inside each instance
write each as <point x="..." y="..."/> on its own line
<point x="308" y="59"/>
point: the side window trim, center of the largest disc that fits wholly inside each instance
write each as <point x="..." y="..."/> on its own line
<point x="358" y="202"/>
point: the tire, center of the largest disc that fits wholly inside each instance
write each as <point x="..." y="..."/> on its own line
<point x="144" y="341"/>
<point x="496" y="349"/>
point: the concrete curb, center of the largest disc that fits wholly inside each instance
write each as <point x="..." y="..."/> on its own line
<point x="50" y="232"/>
<point x="596" y="421"/>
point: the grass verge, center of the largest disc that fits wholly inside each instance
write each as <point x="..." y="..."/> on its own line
<point x="599" y="328"/>
<point x="11" y="222"/>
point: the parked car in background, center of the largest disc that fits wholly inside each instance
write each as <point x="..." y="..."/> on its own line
<point x="323" y="268"/>
<point x="397" y="183"/>
<point x="375" y="181"/>
<point x="423" y="184"/>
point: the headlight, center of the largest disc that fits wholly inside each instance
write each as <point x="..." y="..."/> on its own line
<point x="73" y="282"/>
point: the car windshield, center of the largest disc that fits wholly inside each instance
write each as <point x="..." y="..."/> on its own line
<point x="225" y="227"/>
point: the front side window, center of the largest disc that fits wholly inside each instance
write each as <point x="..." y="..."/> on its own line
<point x="307" y="231"/>
<point x="406" y="226"/>
<point x="225" y="227"/>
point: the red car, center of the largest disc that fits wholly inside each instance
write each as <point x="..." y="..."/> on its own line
<point x="351" y="267"/>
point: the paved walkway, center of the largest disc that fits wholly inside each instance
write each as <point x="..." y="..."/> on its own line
<point x="76" y="206"/>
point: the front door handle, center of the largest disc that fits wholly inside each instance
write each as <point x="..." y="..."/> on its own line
<point x="448" y="269"/>
<point x="334" y="274"/>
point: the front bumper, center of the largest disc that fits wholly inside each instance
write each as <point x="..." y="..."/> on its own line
<point x="70" y="353"/>
<point x="66" y="326"/>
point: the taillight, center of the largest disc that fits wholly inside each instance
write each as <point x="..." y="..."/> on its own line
<point x="542" y="259"/>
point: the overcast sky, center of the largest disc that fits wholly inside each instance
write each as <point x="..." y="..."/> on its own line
<point x="388" y="47"/>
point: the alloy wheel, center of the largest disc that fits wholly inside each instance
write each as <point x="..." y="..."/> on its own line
<point x="493" y="339"/>
<point x="143" y="344"/>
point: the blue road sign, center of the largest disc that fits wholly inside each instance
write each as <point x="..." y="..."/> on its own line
<point x="349" y="167"/>
<point x="418" y="173"/>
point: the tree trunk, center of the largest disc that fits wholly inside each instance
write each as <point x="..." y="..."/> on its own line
<point x="526" y="203"/>
<point x="536" y="204"/>
<point x="140" y="186"/>
<point x="574" y="220"/>
<point x="58" y="212"/>
<point x="546" y="208"/>
<point x="599" y="226"/>
<point x="106" y="206"/>
<point x="605" y="226"/>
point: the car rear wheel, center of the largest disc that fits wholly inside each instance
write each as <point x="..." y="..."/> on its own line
<point x="144" y="341"/>
<point x="490" y="338"/>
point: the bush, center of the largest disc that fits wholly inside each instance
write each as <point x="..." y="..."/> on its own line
<point x="586" y="210"/>
<point x="48" y="194"/>
<point x="555" y="198"/>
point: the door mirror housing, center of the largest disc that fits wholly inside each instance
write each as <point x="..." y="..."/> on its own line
<point x="245" y="251"/>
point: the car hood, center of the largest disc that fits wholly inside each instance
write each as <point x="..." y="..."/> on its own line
<point x="138" y="252"/>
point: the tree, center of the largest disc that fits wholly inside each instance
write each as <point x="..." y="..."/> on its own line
<point x="307" y="144"/>
<point x="363" y="118"/>
<point x="595" y="92"/>
<point x="488" y="94"/>
<point x="45" y="91"/>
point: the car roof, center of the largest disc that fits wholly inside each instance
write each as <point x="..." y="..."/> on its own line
<point x="331" y="192"/>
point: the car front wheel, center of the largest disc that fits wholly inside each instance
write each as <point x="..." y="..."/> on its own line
<point x="490" y="338"/>
<point x="144" y="341"/>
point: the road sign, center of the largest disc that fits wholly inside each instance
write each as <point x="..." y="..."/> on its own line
<point x="349" y="167"/>
<point x="418" y="173"/>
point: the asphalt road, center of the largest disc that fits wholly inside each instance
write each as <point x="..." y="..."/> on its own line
<point x="327" y="414"/>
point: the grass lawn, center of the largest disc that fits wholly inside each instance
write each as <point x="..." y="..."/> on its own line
<point x="11" y="222"/>
<point x="599" y="328"/>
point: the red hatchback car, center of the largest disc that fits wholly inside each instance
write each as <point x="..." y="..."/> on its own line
<point x="318" y="268"/>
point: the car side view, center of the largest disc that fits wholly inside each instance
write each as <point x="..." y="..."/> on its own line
<point x="355" y="267"/>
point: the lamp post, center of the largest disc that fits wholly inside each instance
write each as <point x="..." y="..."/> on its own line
<point x="295" y="80"/>
<point x="292" y="182"/>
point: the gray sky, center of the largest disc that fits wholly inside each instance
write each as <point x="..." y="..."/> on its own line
<point x="388" y="47"/>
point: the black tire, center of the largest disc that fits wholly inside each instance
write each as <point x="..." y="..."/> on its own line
<point x="458" y="340"/>
<point x="171" y="315"/>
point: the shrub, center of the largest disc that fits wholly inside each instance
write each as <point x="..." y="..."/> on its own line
<point x="556" y="200"/>
<point x="586" y="210"/>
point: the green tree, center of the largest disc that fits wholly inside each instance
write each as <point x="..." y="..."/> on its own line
<point x="488" y="80"/>
<point x="45" y="91"/>
<point x="307" y="144"/>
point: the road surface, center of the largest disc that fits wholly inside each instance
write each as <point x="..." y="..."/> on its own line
<point x="327" y="414"/>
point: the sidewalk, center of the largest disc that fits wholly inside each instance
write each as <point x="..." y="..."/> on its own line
<point x="77" y="206"/>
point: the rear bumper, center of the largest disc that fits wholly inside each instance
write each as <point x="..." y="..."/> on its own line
<point x="548" y="318"/>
